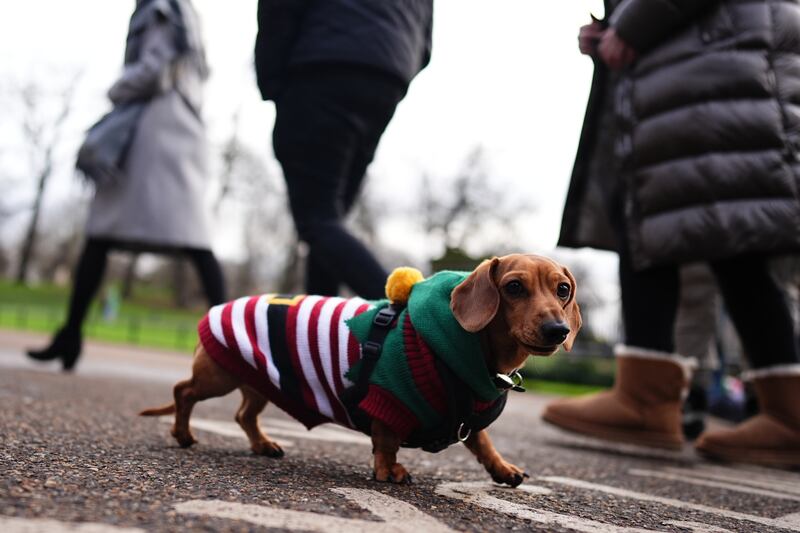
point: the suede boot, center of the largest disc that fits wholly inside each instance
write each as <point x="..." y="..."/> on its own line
<point x="773" y="436"/>
<point x="643" y="408"/>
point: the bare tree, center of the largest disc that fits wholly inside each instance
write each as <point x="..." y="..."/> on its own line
<point x="462" y="211"/>
<point x="255" y="197"/>
<point x="41" y="133"/>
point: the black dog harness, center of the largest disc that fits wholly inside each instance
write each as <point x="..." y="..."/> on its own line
<point x="462" y="419"/>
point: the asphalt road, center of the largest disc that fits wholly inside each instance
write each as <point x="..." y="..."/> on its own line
<point x="74" y="457"/>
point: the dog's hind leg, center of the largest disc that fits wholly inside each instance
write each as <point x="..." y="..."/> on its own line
<point x="247" y="417"/>
<point x="208" y="381"/>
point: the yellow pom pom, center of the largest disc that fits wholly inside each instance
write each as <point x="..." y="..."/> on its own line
<point x="399" y="283"/>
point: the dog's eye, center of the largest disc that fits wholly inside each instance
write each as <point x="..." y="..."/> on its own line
<point x="514" y="288"/>
<point x="563" y="291"/>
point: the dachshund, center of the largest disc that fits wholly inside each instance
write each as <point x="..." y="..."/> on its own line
<point x="298" y="353"/>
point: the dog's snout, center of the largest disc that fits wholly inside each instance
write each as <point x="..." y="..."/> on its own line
<point x="555" y="332"/>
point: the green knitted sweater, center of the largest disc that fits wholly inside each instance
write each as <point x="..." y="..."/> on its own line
<point x="431" y="317"/>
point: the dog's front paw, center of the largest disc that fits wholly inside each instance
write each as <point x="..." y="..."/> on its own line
<point x="395" y="473"/>
<point x="506" y="473"/>
<point x="268" y="448"/>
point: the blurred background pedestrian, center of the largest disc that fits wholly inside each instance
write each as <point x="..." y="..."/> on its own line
<point x="336" y="70"/>
<point x="155" y="204"/>
<point x="689" y="153"/>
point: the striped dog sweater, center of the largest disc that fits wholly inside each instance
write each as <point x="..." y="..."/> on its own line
<point x="302" y="352"/>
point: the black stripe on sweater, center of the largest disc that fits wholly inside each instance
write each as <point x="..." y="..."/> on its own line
<point x="276" y="317"/>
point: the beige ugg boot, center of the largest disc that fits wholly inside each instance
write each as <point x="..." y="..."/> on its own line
<point x="773" y="436"/>
<point x="643" y="408"/>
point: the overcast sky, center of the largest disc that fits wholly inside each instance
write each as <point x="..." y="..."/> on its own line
<point x="505" y="74"/>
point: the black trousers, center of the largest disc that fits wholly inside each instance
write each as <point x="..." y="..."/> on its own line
<point x="756" y="304"/>
<point x="92" y="266"/>
<point x="329" y="120"/>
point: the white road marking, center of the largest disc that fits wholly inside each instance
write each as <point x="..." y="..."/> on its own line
<point x="9" y="524"/>
<point x="480" y="494"/>
<point x="753" y="478"/>
<point x="688" y="476"/>
<point x="280" y="428"/>
<point x="696" y="527"/>
<point x="793" y="518"/>
<point x="398" y="516"/>
<point x="226" y="429"/>
<point x="396" y="513"/>
<point x="625" y="493"/>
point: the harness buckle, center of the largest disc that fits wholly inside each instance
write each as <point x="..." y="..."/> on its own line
<point x="384" y="317"/>
<point x="371" y="349"/>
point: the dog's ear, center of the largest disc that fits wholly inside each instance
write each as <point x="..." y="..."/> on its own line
<point x="573" y="312"/>
<point x="475" y="300"/>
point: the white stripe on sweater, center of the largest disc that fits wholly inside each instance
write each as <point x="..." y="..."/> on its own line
<point x="240" y="330"/>
<point x="326" y="351"/>
<point x="215" y="323"/>
<point x="344" y="337"/>
<point x="304" y="354"/>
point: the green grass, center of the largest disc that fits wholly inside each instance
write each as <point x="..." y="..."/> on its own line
<point x="146" y="320"/>
<point x="149" y="321"/>
<point x="558" y="388"/>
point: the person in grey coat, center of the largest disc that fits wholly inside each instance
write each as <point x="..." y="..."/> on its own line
<point x="157" y="203"/>
<point x="689" y="152"/>
<point x="336" y="70"/>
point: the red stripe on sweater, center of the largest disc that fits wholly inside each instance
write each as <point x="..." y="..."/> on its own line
<point x="313" y="344"/>
<point x="423" y="369"/>
<point x="227" y="327"/>
<point x="291" y="345"/>
<point x="250" y="328"/>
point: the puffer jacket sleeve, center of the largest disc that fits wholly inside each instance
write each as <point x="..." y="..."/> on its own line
<point x="645" y="23"/>
<point x="279" y="22"/>
<point x="150" y="75"/>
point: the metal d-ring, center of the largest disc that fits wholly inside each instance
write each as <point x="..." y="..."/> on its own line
<point x="517" y="378"/>
<point x="465" y="437"/>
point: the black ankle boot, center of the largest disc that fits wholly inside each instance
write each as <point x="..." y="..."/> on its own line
<point x="66" y="346"/>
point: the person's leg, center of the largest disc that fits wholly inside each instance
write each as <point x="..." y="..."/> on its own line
<point x="67" y="342"/>
<point x="763" y="320"/>
<point x="644" y="407"/>
<point x="318" y="277"/>
<point x="210" y="274"/>
<point x="649" y="304"/>
<point x="320" y="126"/>
<point x="758" y="309"/>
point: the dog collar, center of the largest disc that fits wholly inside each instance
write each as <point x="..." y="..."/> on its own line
<point x="511" y="381"/>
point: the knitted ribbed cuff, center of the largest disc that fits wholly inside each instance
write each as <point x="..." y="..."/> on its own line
<point x="382" y="405"/>
<point x="772" y="371"/>
<point x="687" y="364"/>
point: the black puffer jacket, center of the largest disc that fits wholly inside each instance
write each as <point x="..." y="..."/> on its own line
<point x="393" y="37"/>
<point x="699" y="137"/>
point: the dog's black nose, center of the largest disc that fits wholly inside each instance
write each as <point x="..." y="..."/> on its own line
<point x="555" y="332"/>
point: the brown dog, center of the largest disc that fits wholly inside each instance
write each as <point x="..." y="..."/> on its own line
<point x="515" y="306"/>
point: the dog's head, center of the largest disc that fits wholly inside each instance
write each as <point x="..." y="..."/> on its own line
<point x="533" y="297"/>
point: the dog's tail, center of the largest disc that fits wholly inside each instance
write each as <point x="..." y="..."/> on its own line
<point x="159" y="411"/>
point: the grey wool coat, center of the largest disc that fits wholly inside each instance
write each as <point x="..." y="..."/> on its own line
<point x="159" y="203"/>
<point x="698" y="141"/>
